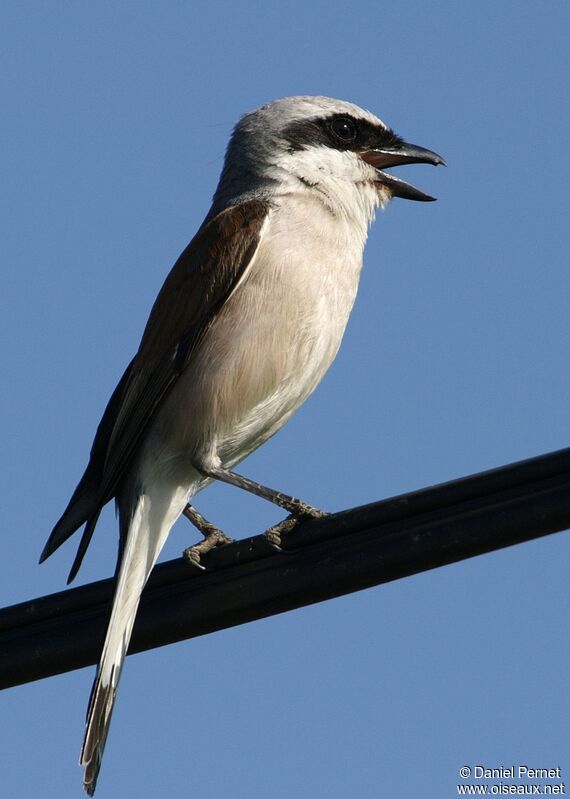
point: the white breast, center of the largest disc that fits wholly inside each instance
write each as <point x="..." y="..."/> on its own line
<point x="276" y="336"/>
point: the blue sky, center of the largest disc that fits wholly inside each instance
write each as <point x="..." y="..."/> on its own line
<point x="115" y="120"/>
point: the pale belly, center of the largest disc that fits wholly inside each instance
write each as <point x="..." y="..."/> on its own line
<point x="267" y="350"/>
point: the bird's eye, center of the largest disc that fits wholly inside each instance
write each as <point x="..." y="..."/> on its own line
<point x="344" y="129"/>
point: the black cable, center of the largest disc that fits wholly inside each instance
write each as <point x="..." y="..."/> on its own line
<point x="322" y="559"/>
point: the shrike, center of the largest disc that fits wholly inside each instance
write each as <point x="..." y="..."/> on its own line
<point x="244" y="328"/>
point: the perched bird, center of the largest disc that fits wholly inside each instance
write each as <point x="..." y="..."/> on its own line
<point x="245" y="326"/>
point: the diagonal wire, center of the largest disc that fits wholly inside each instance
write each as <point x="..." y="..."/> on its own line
<point x="322" y="559"/>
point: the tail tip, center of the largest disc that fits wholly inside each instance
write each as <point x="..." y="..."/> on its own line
<point x="90" y="775"/>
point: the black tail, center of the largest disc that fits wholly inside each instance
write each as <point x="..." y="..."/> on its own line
<point x="84" y="507"/>
<point x="87" y="501"/>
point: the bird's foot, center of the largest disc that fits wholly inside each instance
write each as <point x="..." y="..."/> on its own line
<point x="274" y="534"/>
<point x="213" y="537"/>
<point x="194" y="553"/>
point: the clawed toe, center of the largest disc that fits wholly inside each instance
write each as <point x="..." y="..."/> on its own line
<point x="215" y="539"/>
<point x="274" y="534"/>
<point x="192" y="556"/>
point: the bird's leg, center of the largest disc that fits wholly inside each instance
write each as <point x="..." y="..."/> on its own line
<point x="295" y="507"/>
<point x="213" y="536"/>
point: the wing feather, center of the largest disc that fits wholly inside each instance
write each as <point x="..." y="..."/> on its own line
<point x="201" y="281"/>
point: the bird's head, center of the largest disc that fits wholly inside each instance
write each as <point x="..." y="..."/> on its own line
<point x="317" y="144"/>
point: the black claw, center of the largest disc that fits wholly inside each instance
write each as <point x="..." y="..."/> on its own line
<point x="272" y="541"/>
<point x="193" y="558"/>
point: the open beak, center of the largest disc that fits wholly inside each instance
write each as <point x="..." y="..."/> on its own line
<point x="396" y="155"/>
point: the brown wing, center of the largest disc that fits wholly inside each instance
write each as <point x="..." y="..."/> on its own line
<point x="193" y="293"/>
<point x="197" y="287"/>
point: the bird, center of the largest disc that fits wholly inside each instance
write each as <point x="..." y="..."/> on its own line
<point x="245" y="326"/>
